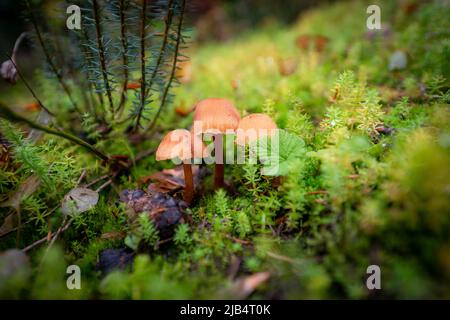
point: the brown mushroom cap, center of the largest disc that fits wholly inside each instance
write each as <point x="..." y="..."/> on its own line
<point x="216" y="115"/>
<point x="180" y="144"/>
<point x="261" y="123"/>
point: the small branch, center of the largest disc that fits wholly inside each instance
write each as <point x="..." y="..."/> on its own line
<point x="12" y="116"/>
<point x="282" y="258"/>
<point x="44" y="239"/>
<point x="174" y="66"/>
<point x="123" y="38"/>
<point x="142" y="53"/>
<point x="29" y="87"/>
<point x="168" y="23"/>
<point x="101" y="55"/>
<point x="49" y="59"/>
<point x="317" y="192"/>
<point x="107" y="183"/>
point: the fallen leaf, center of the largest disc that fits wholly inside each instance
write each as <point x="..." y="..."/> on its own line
<point x="181" y="111"/>
<point x="245" y="286"/>
<point x="33" y="106"/>
<point x="133" y="85"/>
<point x="171" y="180"/>
<point x="9" y="224"/>
<point x="79" y="200"/>
<point x="28" y="187"/>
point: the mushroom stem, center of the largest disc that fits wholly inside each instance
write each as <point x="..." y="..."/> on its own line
<point x="218" y="176"/>
<point x="189" y="183"/>
<point x="219" y="166"/>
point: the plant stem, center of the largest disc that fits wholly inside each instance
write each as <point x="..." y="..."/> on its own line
<point x="174" y="66"/>
<point x="49" y="59"/>
<point x="142" y="53"/>
<point x="29" y="87"/>
<point x="218" y="176"/>
<point x="12" y="116"/>
<point x="189" y="183"/>
<point x="219" y="163"/>
<point x="123" y="38"/>
<point x="168" y="23"/>
<point x="101" y="55"/>
<point x="84" y="50"/>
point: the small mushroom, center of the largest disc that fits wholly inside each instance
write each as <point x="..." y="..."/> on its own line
<point x="217" y="116"/>
<point x="184" y="146"/>
<point x="254" y="126"/>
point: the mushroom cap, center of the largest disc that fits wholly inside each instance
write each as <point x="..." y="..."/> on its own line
<point x="180" y="144"/>
<point x="254" y="126"/>
<point x="216" y="115"/>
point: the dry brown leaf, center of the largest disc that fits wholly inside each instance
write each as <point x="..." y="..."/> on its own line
<point x="28" y="187"/>
<point x="8" y="224"/>
<point x="170" y="180"/>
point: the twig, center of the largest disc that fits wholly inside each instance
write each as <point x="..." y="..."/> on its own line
<point x="142" y="155"/>
<point x="168" y="23"/>
<point x="282" y="258"/>
<point x="49" y="59"/>
<point x="44" y="239"/>
<point x="11" y="115"/>
<point x="142" y="55"/>
<point x="123" y="38"/>
<point x="29" y="87"/>
<point x="97" y="180"/>
<point x="107" y="183"/>
<point x="83" y="174"/>
<point x="317" y="192"/>
<point x="101" y="55"/>
<point x="174" y="66"/>
<point x="240" y="241"/>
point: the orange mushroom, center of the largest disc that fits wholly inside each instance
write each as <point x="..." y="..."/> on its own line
<point x="254" y="126"/>
<point x="217" y="116"/>
<point x="184" y="146"/>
